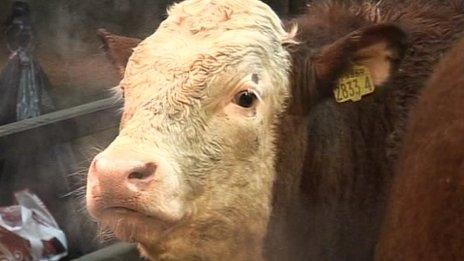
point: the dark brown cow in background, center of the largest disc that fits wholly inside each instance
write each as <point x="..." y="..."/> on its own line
<point x="331" y="207"/>
<point x="425" y="219"/>
<point x="352" y="147"/>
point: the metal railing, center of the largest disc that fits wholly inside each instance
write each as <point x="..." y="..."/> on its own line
<point x="60" y="126"/>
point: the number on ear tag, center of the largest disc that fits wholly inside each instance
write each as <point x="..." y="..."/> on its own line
<point x="354" y="84"/>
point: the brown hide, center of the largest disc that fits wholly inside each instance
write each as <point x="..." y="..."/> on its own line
<point x="425" y="219"/>
<point x="352" y="146"/>
<point x="335" y="162"/>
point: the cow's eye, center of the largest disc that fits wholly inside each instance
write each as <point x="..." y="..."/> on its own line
<point x="245" y="99"/>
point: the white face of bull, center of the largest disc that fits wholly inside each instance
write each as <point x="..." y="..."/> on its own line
<point x="191" y="172"/>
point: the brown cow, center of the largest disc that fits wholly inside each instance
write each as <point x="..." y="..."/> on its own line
<point x="425" y="219"/>
<point x="352" y="147"/>
<point x="330" y="207"/>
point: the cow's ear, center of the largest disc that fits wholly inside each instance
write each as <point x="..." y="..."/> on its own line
<point x="379" y="48"/>
<point x="118" y="49"/>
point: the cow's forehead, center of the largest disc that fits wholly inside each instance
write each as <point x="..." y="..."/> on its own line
<point x="203" y="26"/>
<point x="206" y="15"/>
<point x="199" y="38"/>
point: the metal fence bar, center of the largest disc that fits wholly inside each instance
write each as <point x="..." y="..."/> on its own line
<point x="60" y="126"/>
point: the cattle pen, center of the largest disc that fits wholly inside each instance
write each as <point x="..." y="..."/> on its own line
<point x="259" y="130"/>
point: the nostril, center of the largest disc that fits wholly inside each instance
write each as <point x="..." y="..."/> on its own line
<point x="139" y="175"/>
<point x="142" y="173"/>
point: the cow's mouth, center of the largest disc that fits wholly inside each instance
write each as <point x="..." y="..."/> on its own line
<point x="134" y="220"/>
<point x="119" y="210"/>
<point x="132" y="225"/>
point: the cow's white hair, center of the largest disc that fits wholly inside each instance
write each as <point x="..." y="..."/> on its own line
<point x="199" y="58"/>
<point x="199" y="39"/>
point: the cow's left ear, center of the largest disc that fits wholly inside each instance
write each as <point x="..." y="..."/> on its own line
<point x="118" y="49"/>
<point x="379" y="48"/>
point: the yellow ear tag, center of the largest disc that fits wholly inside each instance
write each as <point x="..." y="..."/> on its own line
<point x="354" y="84"/>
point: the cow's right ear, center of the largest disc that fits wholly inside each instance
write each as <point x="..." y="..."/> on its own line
<point x="118" y="49"/>
<point x="379" y="48"/>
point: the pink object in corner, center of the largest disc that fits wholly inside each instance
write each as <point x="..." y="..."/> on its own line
<point x="29" y="232"/>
